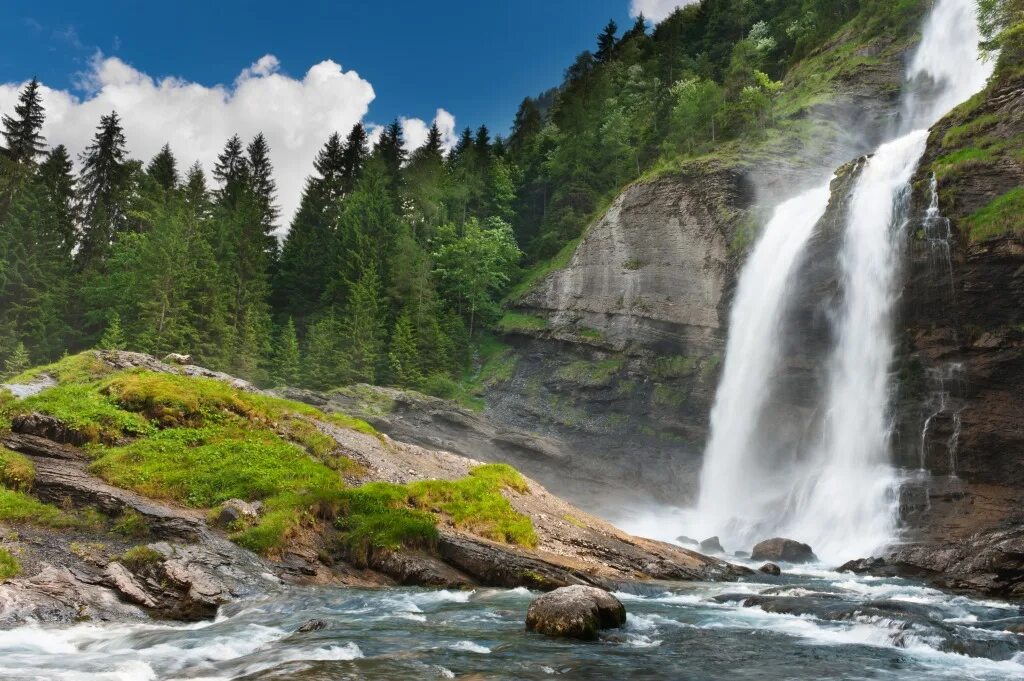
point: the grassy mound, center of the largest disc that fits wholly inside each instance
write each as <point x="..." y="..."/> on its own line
<point x="201" y="442"/>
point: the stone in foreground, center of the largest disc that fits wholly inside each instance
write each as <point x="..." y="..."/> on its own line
<point x="785" y="550"/>
<point x="576" y="611"/>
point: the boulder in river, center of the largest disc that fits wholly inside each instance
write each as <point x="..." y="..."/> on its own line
<point x="785" y="550"/>
<point x="770" y="569"/>
<point x="575" y="612"/>
<point x="711" y="545"/>
<point x="311" y="625"/>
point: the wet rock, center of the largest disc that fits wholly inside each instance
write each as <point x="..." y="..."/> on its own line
<point x="311" y="625"/>
<point x="741" y="554"/>
<point x="578" y="612"/>
<point x="120" y="579"/>
<point x="712" y="545"/>
<point x="770" y="569"/>
<point x="235" y="512"/>
<point x="689" y="541"/>
<point x="784" y="550"/>
<point x="49" y="427"/>
<point x="57" y="595"/>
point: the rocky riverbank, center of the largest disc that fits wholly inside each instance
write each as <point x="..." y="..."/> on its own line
<point x="108" y="552"/>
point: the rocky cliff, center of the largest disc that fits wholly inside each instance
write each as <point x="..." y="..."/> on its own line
<point x="614" y="357"/>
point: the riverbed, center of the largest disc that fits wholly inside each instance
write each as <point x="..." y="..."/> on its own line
<point x="835" y="626"/>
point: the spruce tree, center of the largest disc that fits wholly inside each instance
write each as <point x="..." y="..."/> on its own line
<point x="195" y="192"/>
<point x="56" y="175"/>
<point x="22" y="138"/>
<point x="231" y="171"/>
<point x="17" y="362"/>
<point x="261" y="175"/>
<point x="403" y="354"/>
<point x="324" y="357"/>
<point x="606" y="42"/>
<point x="362" y="328"/>
<point x="353" y="158"/>
<point x="163" y="169"/>
<point x="287" y="364"/>
<point x="102" y="191"/>
<point x="113" y="336"/>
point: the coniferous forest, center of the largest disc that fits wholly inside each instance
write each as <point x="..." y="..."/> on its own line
<point x="396" y="262"/>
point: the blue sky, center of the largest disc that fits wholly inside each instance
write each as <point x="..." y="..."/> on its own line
<point x="477" y="59"/>
<point x="192" y="73"/>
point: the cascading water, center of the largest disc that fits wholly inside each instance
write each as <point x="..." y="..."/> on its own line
<point x="837" y="494"/>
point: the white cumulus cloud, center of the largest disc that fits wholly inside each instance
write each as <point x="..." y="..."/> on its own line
<point x="296" y="114"/>
<point x="656" y="10"/>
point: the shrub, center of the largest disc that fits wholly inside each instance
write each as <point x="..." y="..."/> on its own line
<point x="139" y="557"/>
<point x="16" y="471"/>
<point x="9" y="565"/>
<point x="131" y="524"/>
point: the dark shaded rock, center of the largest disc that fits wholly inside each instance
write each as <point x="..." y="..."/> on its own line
<point x="741" y="554"/>
<point x="784" y="550"/>
<point x="578" y="612"/>
<point x="683" y="539"/>
<point x="49" y="427"/>
<point x="712" y="545"/>
<point x="311" y="625"/>
<point x="494" y="565"/>
<point x="770" y="569"/>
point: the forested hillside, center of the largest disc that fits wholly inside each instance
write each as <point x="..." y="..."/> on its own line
<point x="395" y="263"/>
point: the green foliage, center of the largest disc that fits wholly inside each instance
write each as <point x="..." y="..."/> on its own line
<point x="80" y="368"/>
<point x="18" y="361"/>
<point x="9" y="565"/>
<point x="1001" y="216"/>
<point x="591" y="374"/>
<point x="131" y="524"/>
<point x="16" y="471"/>
<point x="18" y="507"/>
<point x="512" y="322"/>
<point x="85" y="411"/>
<point x="287" y="358"/>
<point x="140" y="557"/>
<point x="113" y="336"/>
<point x="675" y="366"/>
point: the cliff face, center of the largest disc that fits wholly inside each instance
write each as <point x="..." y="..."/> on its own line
<point x="616" y="355"/>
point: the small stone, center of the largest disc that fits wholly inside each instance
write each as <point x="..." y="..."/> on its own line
<point x="235" y="511"/>
<point x="771" y="569"/>
<point x="576" y="611"/>
<point x="175" y="358"/>
<point x="712" y="545"/>
<point x="311" y="625"/>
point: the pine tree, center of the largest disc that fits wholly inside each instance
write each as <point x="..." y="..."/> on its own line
<point x="195" y="192"/>
<point x="163" y="168"/>
<point x="324" y="358"/>
<point x="113" y="336"/>
<point x="287" y="364"/>
<point x="102" y="191"/>
<point x="353" y="158"/>
<point x="56" y="175"/>
<point x="17" y="362"/>
<point x="231" y="171"/>
<point x="330" y="166"/>
<point x="403" y="355"/>
<point x="22" y="131"/>
<point x="606" y="42"/>
<point x="390" y="150"/>
<point x="261" y="175"/>
<point x="362" y="328"/>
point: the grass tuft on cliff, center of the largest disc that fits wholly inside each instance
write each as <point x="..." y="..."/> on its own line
<point x="18" y="507"/>
<point x="1000" y="216"/>
<point x="16" y="471"/>
<point x="9" y="565"/>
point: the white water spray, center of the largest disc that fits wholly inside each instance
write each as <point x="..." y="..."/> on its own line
<point x="838" y="494"/>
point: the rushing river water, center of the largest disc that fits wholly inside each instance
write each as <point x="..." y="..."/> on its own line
<point x="846" y="627"/>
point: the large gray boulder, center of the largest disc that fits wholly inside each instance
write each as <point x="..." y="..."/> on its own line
<point x="575" y="612"/>
<point x="784" y="550"/>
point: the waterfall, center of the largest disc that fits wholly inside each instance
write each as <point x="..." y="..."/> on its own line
<point x="837" y="493"/>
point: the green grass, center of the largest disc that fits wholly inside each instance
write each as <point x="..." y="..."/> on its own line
<point x="87" y="412"/>
<point x="81" y="368"/>
<point x="9" y="565"/>
<point x="961" y="161"/>
<point x="130" y="523"/>
<point x="139" y="557"/>
<point x="386" y="515"/>
<point x="542" y="269"/>
<point x="513" y="322"/>
<point x="18" y="507"/>
<point x="957" y="135"/>
<point x="16" y="471"/>
<point x="591" y="374"/>
<point x="1003" y="215"/>
<point x="674" y="366"/>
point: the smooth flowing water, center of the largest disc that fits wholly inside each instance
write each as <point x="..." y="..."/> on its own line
<point x="839" y="492"/>
<point x="815" y="625"/>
